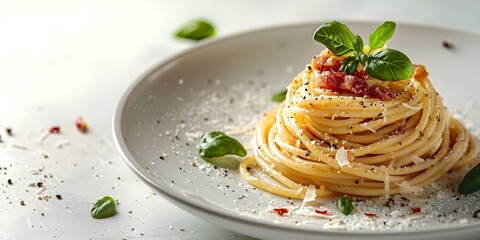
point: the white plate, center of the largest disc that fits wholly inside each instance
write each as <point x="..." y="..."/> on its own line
<point x="229" y="81"/>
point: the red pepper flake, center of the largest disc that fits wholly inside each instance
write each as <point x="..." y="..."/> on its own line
<point x="54" y="129"/>
<point x="370" y="215"/>
<point x="81" y="124"/>
<point x="416" y="210"/>
<point x="281" y="211"/>
<point x="324" y="212"/>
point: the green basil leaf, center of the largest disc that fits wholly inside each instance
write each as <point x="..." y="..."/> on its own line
<point x="279" y="96"/>
<point x="381" y="35"/>
<point x="227" y="161"/>
<point x="358" y="44"/>
<point x="362" y="57"/>
<point x="104" y="208"/>
<point x="345" y="206"/>
<point x="336" y="37"/>
<point x="220" y="149"/>
<point x="349" y="65"/>
<point x="196" y="30"/>
<point x="389" y="65"/>
<point x="471" y="181"/>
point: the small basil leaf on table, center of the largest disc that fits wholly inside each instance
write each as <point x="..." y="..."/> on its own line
<point x="389" y="65"/>
<point x="471" y="181"/>
<point x="221" y="150"/>
<point x="337" y="37"/>
<point x="349" y="65"/>
<point x="345" y="206"/>
<point x="381" y="35"/>
<point x="104" y="208"/>
<point x="196" y="30"/>
<point x="279" y="96"/>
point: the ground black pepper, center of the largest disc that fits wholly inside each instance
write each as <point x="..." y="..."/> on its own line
<point x="476" y="214"/>
<point x="447" y="44"/>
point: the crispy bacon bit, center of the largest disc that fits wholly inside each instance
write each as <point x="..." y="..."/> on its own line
<point x="420" y="73"/>
<point x="281" y="211"/>
<point x="54" y="129"/>
<point x="327" y="62"/>
<point x="81" y="125"/>
<point x="324" y="212"/>
<point x="330" y="78"/>
<point x="383" y="93"/>
<point x="356" y="85"/>
<point x="416" y="210"/>
<point x="370" y="215"/>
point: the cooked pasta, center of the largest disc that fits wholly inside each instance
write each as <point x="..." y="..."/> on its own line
<point x="365" y="137"/>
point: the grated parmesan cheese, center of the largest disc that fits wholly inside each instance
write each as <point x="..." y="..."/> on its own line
<point x="417" y="159"/>
<point x="396" y="213"/>
<point x="193" y="136"/>
<point x="337" y="224"/>
<point x="299" y="132"/>
<point x="365" y="125"/>
<point x="409" y="219"/>
<point x="411" y="107"/>
<point x="34" y="171"/>
<point x="61" y="143"/>
<point x="384" y="113"/>
<point x="19" y="146"/>
<point x="42" y="137"/>
<point x="297" y="143"/>
<point x="342" y="157"/>
<point x="407" y="188"/>
<point x="40" y="190"/>
<point x="241" y="128"/>
<point x="309" y="213"/>
<point x="310" y="194"/>
<point x="30" y="183"/>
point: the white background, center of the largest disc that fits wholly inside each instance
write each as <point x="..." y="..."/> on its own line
<point x="64" y="59"/>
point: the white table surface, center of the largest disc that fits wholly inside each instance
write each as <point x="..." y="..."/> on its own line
<point x="64" y="59"/>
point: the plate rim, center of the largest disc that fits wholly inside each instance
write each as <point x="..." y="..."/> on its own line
<point x="178" y="199"/>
